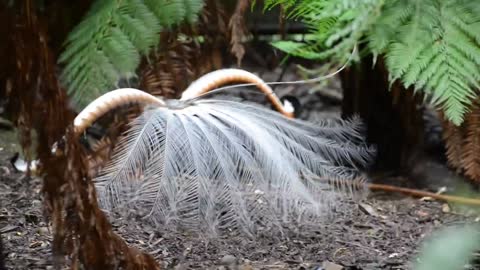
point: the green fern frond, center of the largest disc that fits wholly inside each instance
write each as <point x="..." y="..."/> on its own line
<point x="432" y="45"/>
<point x="435" y="48"/>
<point x="107" y="45"/>
<point x="269" y="4"/>
<point x="337" y="25"/>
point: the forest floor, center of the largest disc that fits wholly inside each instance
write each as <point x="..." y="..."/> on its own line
<point x="383" y="231"/>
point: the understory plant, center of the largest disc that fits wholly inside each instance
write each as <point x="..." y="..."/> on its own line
<point x="107" y="46"/>
<point x="449" y="248"/>
<point x="430" y="45"/>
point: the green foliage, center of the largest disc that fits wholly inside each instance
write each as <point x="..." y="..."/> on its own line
<point x="336" y="26"/>
<point x="107" y="45"/>
<point x="449" y="249"/>
<point x="432" y="45"/>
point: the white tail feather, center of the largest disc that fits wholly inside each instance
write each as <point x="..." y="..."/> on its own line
<point x="109" y="101"/>
<point x="217" y="78"/>
<point x="221" y="164"/>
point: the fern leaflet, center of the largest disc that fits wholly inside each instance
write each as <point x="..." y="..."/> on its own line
<point x="107" y="45"/>
<point x="432" y="45"/>
<point x="336" y="26"/>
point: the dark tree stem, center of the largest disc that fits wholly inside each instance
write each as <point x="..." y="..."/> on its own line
<point x="391" y="113"/>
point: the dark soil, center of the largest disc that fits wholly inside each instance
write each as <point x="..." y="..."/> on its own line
<point x="384" y="231"/>
<point x="387" y="238"/>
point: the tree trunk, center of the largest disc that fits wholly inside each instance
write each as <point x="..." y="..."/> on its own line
<point x="36" y="102"/>
<point x="391" y="113"/>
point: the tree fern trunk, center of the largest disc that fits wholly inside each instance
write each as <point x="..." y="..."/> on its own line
<point x="36" y="102"/>
<point x="394" y="122"/>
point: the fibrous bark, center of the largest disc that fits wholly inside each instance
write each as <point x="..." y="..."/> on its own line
<point x="170" y="69"/>
<point x="36" y="102"/>
<point x="391" y="112"/>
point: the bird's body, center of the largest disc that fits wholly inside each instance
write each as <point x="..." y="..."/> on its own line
<point x="214" y="164"/>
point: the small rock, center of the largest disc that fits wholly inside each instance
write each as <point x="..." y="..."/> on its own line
<point x="246" y="266"/>
<point x="422" y="213"/>
<point x="441" y="190"/>
<point x="43" y="231"/>
<point x="367" y="209"/>
<point x="228" y="260"/>
<point x="181" y="266"/>
<point x="393" y="255"/>
<point x="331" y="266"/>
<point x="445" y="208"/>
<point x="426" y="199"/>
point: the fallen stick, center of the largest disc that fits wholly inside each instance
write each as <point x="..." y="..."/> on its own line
<point x="421" y="193"/>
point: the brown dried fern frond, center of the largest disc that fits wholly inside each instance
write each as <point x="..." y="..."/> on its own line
<point x="191" y="51"/>
<point x="470" y="161"/>
<point x="81" y="232"/>
<point x="454" y="137"/>
<point x="462" y="143"/>
<point x="171" y="69"/>
<point x="116" y="124"/>
<point x="101" y="153"/>
<point x="238" y="29"/>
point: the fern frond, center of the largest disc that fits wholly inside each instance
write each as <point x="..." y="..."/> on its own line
<point x="336" y="26"/>
<point x="454" y="137"/>
<point x="171" y="67"/>
<point x="434" y="48"/>
<point x="432" y="45"/>
<point x="471" y="145"/>
<point x="269" y="4"/>
<point x="107" y="45"/>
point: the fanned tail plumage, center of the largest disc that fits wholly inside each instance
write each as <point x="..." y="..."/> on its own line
<point x="216" y="164"/>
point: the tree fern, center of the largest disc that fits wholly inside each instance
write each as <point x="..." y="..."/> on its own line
<point x="435" y="47"/>
<point x="335" y="26"/>
<point x="432" y="45"/>
<point x="107" y="45"/>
